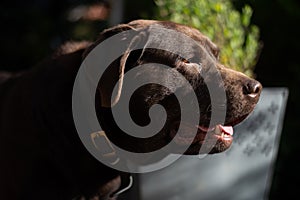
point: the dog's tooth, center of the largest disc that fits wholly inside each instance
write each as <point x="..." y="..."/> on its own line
<point x="218" y="130"/>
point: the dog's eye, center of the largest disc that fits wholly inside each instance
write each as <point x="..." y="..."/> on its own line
<point x="184" y="60"/>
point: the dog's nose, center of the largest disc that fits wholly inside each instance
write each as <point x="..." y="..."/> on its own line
<point x="252" y="88"/>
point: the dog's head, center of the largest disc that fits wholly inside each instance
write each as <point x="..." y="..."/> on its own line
<point x="200" y="67"/>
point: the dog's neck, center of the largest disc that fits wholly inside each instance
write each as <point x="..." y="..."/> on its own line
<point x="52" y="85"/>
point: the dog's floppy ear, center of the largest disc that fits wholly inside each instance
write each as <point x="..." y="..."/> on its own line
<point x="114" y="74"/>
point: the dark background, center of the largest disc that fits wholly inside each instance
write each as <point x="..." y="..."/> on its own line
<point x="32" y="29"/>
<point x="279" y="66"/>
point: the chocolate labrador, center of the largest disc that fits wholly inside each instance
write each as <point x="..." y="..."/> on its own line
<point x="42" y="156"/>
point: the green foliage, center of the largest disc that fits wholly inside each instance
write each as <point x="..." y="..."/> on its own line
<point x="228" y="28"/>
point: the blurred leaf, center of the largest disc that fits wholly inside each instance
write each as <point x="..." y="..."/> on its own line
<point x="229" y="29"/>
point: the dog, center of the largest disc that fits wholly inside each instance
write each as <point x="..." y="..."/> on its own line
<point x="42" y="155"/>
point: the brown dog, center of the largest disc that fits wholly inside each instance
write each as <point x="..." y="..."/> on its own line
<point x="42" y="156"/>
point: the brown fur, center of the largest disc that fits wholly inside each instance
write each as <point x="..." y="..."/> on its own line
<point x="41" y="154"/>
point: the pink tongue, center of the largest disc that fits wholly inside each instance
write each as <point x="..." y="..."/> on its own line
<point x="227" y="129"/>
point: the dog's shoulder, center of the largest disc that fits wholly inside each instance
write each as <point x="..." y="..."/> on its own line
<point x="71" y="47"/>
<point x="4" y="76"/>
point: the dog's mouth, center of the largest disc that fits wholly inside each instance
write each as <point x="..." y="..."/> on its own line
<point x="186" y="135"/>
<point x="216" y="138"/>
